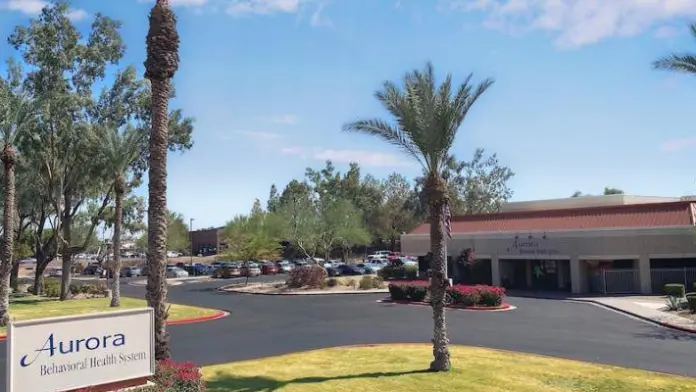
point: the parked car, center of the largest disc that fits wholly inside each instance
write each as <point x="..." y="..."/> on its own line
<point x="130" y="272"/>
<point x="376" y="264"/>
<point x="92" y="269"/>
<point x="143" y="270"/>
<point x="284" y="266"/>
<point x="269" y="269"/>
<point x="345" y="270"/>
<point x="176" y="272"/>
<point x="250" y="269"/>
<point x="226" y="271"/>
<point x="56" y="273"/>
<point x="366" y="267"/>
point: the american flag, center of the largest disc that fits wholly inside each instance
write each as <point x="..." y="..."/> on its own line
<point x="448" y="221"/>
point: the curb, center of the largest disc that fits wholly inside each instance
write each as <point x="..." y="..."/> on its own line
<point x="643" y="318"/>
<point x="213" y="317"/>
<point x="363" y="292"/>
<point x="502" y="308"/>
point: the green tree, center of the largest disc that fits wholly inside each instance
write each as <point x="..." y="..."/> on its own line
<point x="679" y="62"/>
<point x="398" y="212"/>
<point x="342" y="226"/>
<point x="251" y="238"/>
<point x="273" y="199"/>
<point x="16" y="116"/>
<point x="427" y="118"/>
<point x="613" y="191"/>
<point x="120" y="151"/>
<point x="177" y="233"/>
<point x="299" y="222"/>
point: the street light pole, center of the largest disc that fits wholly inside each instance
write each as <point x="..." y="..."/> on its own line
<point x="191" y="239"/>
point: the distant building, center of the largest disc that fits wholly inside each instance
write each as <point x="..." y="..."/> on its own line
<point x="607" y="244"/>
<point x="208" y="242"/>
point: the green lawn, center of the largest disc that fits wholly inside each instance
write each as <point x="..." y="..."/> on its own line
<point x="400" y="368"/>
<point x="32" y="307"/>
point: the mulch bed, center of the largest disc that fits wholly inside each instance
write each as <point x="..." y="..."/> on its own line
<point x="504" y="306"/>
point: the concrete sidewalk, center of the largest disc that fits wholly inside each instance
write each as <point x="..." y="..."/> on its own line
<point x="645" y="308"/>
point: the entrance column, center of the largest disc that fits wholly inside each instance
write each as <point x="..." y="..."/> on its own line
<point x="644" y="274"/>
<point x="528" y="272"/>
<point x="495" y="270"/>
<point x="575" y="275"/>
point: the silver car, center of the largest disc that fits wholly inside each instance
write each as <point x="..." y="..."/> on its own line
<point x="176" y="272"/>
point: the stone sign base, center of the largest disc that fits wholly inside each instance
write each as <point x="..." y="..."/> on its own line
<point x="120" y="386"/>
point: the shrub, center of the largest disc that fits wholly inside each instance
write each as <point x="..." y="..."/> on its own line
<point x="172" y="376"/>
<point x="366" y="283"/>
<point x="673" y="302"/>
<point x="674" y="290"/>
<point x="52" y="288"/>
<point x="332" y="282"/>
<point x="691" y="302"/>
<point x="377" y="282"/>
<point x="408" y="291"/>
<point x="398" y="272"/>
<point x="313" y="276"/>
<point x="479" y="295"/>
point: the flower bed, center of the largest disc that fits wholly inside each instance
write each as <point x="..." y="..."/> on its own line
<point x="171" y="376"/>
<point x="478" y="296"/>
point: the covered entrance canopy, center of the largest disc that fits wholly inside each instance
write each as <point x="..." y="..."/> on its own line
<point x="572" y="238"/>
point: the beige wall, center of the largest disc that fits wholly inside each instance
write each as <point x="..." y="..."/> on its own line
<point x="587" y="244"/>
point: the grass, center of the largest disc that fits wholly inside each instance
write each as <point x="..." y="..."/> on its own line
<point x="33" y="307"/>
<point x="401" y="368"/>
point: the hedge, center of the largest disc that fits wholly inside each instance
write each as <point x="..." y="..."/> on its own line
<point x="461" y="295"/>
<point x="674" y="290"/>
<point x="391" y="272"/>
<point x="171" y="376"/>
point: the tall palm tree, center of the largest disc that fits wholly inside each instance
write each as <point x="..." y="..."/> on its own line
<point x="16" y="115"/>
<point x="680" y="62"/>
<point x="161" y="65"/>
<point x="120" y="151"/>
<point x="426" y="120"/>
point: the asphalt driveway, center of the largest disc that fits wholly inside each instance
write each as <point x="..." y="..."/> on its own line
<point x="271" y="325"/>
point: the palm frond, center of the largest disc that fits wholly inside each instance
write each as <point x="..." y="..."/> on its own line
<point x="677" y="62"/>
<point x="387" y="132"/>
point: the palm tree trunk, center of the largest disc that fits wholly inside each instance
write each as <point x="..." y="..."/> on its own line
<point x="9" y="160"/>
<point x="157" y="216"/>
<point x="438" y="280"/>
<point x="160" y="66"/>
<point x="118" y="217"/>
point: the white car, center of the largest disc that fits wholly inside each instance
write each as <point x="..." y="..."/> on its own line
<point x="174" y="254"/>
<point x="176" y="272"/>
<point x="56" y="273"/>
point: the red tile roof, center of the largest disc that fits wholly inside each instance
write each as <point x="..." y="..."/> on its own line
<point x="620" y="216"/>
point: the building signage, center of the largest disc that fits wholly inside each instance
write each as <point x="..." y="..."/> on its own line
<point x="68" y="353"/>
<point x="531" y="247"/>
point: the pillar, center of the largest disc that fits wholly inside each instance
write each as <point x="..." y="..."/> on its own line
<point x="644" y="274"/>
<point x="528" y="272"/>
<point x="495" y="270"/>
<point x="576" y="286"/>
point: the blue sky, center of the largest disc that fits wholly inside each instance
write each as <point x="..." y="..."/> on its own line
<point x="575" y="106"/>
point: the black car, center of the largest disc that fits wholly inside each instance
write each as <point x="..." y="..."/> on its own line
<point x="345" y="270"/>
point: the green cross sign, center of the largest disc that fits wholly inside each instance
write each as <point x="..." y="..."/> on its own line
<point x="538" y="272"/>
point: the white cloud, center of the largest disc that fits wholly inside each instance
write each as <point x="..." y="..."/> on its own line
<point x="575" y="23"/>
<point x="29" y="7"/>
<point x="318" y="18"/>
<point x="263" y="7"/>
<point x="284" y="119"/>
<point x="34" y="7"/>
<point x="77" y="15"/>
<point x="181" y="3"/>
<point x="363" y="157"/>
<point x="667" y="32"/>
<point x="256" y="136"/>
<point x="674" y="145"/>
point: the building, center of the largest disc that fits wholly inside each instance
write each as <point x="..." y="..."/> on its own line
<point x="606" y="244"/>
<point x="208" y="241"/>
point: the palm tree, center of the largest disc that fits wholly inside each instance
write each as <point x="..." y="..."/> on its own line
<point x="680" y="62"/>
<point x="161" y="65"/>
<point x="119" y="150"/>
<point x="426" y="120"/>
<point x="16" y="115"/>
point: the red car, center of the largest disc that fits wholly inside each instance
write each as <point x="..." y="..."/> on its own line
<point x="269" y="269"/>
<point x="392" y="256"/>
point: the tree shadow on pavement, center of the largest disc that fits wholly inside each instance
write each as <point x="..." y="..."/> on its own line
<point x="232" y="383"/>
<point x="660" y="333"/>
